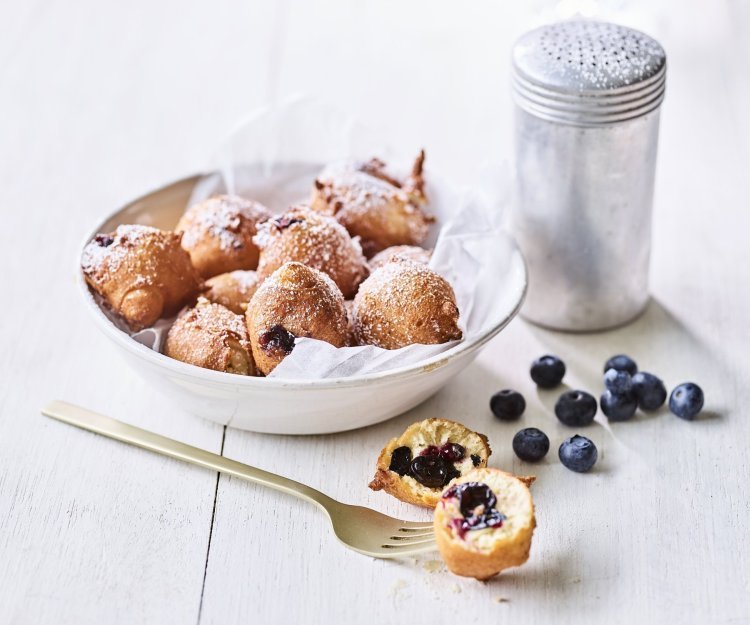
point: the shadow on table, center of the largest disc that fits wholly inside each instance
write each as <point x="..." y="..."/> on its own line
<point x="657" y="332"/>
<point x="656" y="339"/>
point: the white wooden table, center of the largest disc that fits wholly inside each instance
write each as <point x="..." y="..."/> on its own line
<point x="100" y="102"/>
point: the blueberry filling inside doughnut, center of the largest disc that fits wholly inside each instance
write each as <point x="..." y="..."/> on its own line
<point x="452" y="452"/>
<point x="104" y="240"/>
<point x="477" y="502"/>
<point x="431" y="471"/>
<point x="433" y="466"/>
<point x="282" y="223"/>
<point x="277" y="337"/>
<point x="400" y="460"/>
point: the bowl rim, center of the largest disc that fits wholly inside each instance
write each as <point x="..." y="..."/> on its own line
<point x="193" y="372"/>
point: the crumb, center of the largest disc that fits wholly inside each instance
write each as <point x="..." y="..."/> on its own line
<point x="502" y="600"/>
<point x="456" y="588"/>
<point x="398" y="586"/>
<point x="432" y="565"/>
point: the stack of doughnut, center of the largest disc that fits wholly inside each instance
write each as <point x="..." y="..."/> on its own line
<point x="346" y="268"/>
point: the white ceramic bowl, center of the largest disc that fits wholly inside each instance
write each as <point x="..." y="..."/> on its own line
<point x="291" y="406"/>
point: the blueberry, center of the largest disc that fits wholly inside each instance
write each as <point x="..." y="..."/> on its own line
<point x="578" y="454"/>
<point x="430" y="450"/>
<point x="649" y="390"/>
<point x="471" y="495"/>
<point x="576" y="408"/>
<point x="475" y="460"/>
<point x="618" y="381"/>
<point x="276" y="338"/>
<point x="547" y="371"/>
<point x="453" y="452"/>
<point x="618" y="406"/>
<point x="686" y="400"/>
<point x="431" y="471"/>
<point x="104" y="240"/>
<point x="453" y="473"/>
<point x="283" y="222"/>
<point x="530" y="444"/>
<point x="489" y="518"/>
<point x="621" y="362"/>
<point x="400" y="460"/>
<point x="477" y="504"/>
<point x="507" y="405"/>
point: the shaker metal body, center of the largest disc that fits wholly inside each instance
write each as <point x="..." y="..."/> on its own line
<point x="586" y="131"/>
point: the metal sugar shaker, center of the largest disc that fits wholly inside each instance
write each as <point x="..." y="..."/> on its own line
<point x="587" y="97"/>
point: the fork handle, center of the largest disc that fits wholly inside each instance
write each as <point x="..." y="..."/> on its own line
<point x="126" y="433"/>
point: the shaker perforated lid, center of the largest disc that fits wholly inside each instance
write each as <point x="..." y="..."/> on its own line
<point x="588" y="73"/>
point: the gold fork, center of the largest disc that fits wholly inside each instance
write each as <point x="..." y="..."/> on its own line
<point x="362" y="529"/>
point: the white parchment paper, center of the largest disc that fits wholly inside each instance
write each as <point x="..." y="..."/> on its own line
<point x="274" y="156"/>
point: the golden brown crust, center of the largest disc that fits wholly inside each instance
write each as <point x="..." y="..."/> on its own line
<point x="403" y="303"/>
<point x="373" y="205"/>
<point x="294" y="301"/>
<point x="414" y="184"/>
<point x="142" y="273"/>
<point x="303" y="236"/>
<point x="349" y="307"/>
<point x="233" y="290"/>
<point x="408" y="252"/>
<point x="418" y="436"/>
<point x="482" y="554"/>
<point x="213" y="337"/>
<point x="219" y="231"/>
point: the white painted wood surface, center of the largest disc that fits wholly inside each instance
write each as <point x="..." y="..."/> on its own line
<point x="100" y="102"/>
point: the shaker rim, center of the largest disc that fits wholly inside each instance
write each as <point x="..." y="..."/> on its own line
<point x="594" y="106"/>
<point x="588" y="73"/>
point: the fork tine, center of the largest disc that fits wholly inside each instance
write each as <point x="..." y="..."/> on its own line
<point x="411" y="537"/>
<point x="392" y="554"/>
<point x="422" y="540"/>
<point x="409" y="526"/>
<point x="391" y="551"/>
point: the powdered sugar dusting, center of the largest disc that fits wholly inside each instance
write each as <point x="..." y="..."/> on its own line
<point x="372" y="204"/>
<point x="363" y="191"/>
<point x="404" y="303"/>
<point x="230" y="220"/>
<point x="301" y="235"/>
<point x="291" y="278"/>
<point x="215" y="319"/>
<point x="103" y="256"/>
<point x="244" y="280"/>
<point x="233" y="289"/>
<point x="410" y="252"/>
<point x="305" y="301"/>
<point x="207" y="335"/>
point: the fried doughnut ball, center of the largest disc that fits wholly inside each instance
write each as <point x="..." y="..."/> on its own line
<point x="380" y="209"/>
<point x="142" y="273"/>
<point x="233" y="290"/>
<point x="213" y="337"/>
<point x="218" y="233"/>
<point x="294" y="301"/>
<point x="427" y="457"/>
<point x="410" y="252"/>
<point x="484" y="523"/>
<point x="320" y="242"/>
<point x="405" y="302"/>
